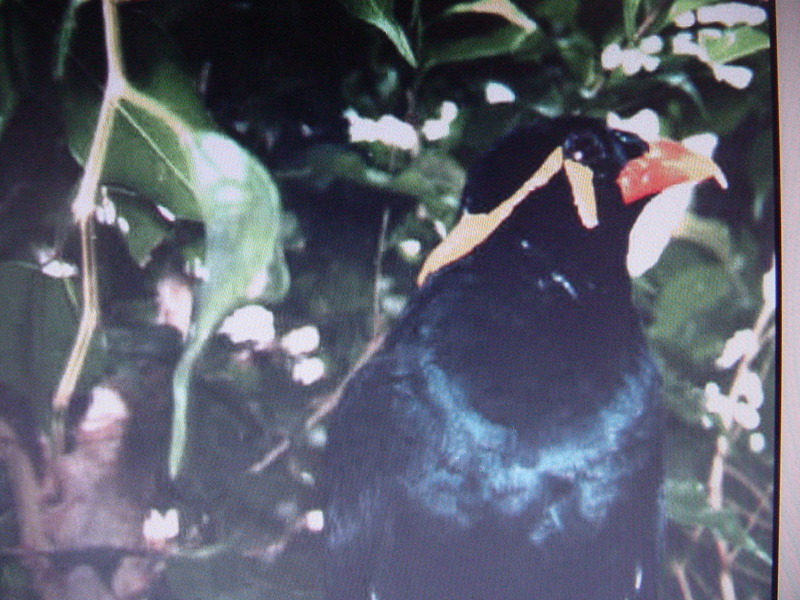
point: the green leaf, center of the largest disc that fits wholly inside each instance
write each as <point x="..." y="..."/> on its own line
<point x="504" y="40"/>
<point x="630" y="14"/>
<point x="763" y="180"/>
<point x="681" y="6"/>
<point x="147" y="229"/>
<point x="240" y="206"/>
<point x="69" y="26"/>
<point x="580" y="56"/>
<point x="687" y="502"/>
<point x="679" y="80"/>
<point x="380" y="14"/>
<point x="501" y="8"/>
<point x="558" y="11"/>
<point x="145" y="152"/>
<point x="734" y="44"/>
<point x="329" y="162"/>
<point x="434" y="178"/>
<point x="40" y="319"/>
<point x="708" y="233"/>
<point x="686" y="296"/>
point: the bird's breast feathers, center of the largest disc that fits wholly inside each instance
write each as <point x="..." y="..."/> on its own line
<point x="467" y="467"/>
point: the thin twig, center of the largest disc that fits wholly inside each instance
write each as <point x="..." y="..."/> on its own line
<point x="679" y="571"/>
<point x="83" y="208"/>
<point x="279" y="450"/>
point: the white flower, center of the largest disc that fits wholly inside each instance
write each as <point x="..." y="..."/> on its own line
<point x="303" y="340"/>
<point x="410" y="248"/>
<point x="742" y="343"/>
<point x="436" y="129"/>
<point x="308" y="370"/>
<point x="253" y="323"/>
<point x="106" y="211"/>
<point x="702" y="143"/>
<point x="746" y="416"/>
<point x="59" y="269"/>
<point x="736" y="76"/>
<point x="757" y="442"/>
<point x="158" y="528"/>
<point x="731" y="13"/>
<point x="106" y="406"/>
<point x="499" y="93"/>
<point x="650" y="63"/>
<point x="749" y="387"/>
<point x="685" y="19"/>
<point x="632" y="60"/>
<point x="718" y="403"/>
<point x="652" y="44"/>
<point x="388" y="130"/>
<point x="644" y="123"/>
<point x="684" y="44"/>
<point x="731" y="410"/>
<point x="611" y="57"/>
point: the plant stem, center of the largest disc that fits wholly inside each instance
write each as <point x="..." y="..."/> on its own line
<point x="83" y="207"/>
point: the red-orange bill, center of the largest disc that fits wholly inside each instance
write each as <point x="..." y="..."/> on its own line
<point x="667" y="163"/>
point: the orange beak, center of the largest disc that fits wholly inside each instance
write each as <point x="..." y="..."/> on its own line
<point x="667" y="163"/>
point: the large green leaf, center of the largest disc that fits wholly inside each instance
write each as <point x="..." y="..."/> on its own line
<point x="503" y="40"/>
<point x="380" y="14"/>
<point x="240" y="205"/>
<point x="145" y="153"/>
<point x="734" y="44"/>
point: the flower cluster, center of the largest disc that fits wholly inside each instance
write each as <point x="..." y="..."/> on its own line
<point x="254" y="326"/>
<point x="711" y="25"/>
<point x="633" y="60"/>
<point x="739" y="407"/>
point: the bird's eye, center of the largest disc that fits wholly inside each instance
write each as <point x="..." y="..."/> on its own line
<point x="584" y="148"/>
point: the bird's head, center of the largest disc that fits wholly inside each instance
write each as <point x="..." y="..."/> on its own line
<point x="572" y="172"/>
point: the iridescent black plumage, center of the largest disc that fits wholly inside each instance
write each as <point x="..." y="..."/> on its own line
<point x="505" y="441"/>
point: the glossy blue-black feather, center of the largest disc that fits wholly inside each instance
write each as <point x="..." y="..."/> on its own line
<point x="505" y="441"/>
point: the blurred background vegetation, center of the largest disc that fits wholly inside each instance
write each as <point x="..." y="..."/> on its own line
<point x="318" y="148"/>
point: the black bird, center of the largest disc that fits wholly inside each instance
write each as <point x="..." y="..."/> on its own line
<point x="504" y="443"/>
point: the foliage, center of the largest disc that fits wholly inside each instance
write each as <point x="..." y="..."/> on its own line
<point x="366" y="113"/>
